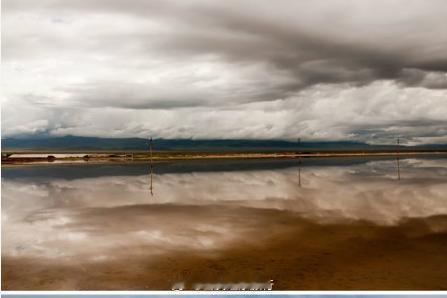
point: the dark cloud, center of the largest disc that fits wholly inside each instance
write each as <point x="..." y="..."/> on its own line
<point x="417" y="77"/>
<point x="308" y="51"/>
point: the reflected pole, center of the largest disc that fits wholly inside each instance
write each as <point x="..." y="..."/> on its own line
<point x="150" y="165"/>
<point x="397" y="159"/>
<point x="299" y="163"/>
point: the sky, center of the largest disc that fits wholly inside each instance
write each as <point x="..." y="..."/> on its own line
<point x="369" y="70"/>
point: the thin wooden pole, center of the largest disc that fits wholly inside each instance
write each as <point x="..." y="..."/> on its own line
<point x="150" y="149"/>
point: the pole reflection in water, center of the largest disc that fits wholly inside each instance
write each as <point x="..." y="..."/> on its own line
<point x="150" y="166"/>
<point x="150" y="185"/>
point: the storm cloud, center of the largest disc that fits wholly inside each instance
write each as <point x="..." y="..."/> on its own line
<point x="362" y="70"/>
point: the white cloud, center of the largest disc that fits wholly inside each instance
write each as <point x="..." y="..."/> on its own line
<point x="226" y="70"/>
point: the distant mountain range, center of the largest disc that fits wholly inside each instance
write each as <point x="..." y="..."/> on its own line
<point x="95" y="143"/>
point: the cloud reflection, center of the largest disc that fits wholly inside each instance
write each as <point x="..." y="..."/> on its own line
<point x="99" y="218"/>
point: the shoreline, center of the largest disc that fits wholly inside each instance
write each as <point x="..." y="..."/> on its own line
<point x="135" y="157"/>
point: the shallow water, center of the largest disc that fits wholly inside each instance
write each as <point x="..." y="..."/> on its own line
<point x="119" y="216"/>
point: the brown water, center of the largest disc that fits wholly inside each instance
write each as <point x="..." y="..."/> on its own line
<point x="314" y="224"/>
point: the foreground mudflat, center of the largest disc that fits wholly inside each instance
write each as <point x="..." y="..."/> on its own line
<point x="314" y="224"/>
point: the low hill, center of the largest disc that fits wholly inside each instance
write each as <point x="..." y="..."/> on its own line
<point x="93" y="143"/>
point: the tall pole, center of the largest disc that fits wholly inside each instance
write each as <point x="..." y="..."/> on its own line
<point x="150" y="149"/>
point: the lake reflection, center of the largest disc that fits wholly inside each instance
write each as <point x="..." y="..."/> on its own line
<point x="98" y="213"/>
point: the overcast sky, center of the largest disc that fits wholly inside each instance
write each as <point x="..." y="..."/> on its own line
<point x="368" y="70"/>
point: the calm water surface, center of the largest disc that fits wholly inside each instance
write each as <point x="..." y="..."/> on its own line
<point x="109" y="214"/>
